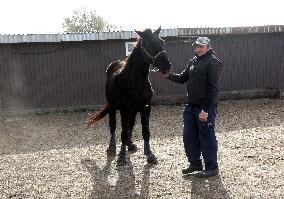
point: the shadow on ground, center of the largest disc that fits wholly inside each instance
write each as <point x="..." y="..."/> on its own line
<point x="124" y="185"/>
<point x="207" y="188"/>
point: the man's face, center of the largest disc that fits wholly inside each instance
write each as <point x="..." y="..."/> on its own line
<point x="201" y="49"/>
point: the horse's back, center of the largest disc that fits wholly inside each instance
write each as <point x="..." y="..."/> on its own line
<point x="114" y="67"/>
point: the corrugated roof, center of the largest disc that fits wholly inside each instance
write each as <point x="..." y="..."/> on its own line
<point x="78" y="36"/>
<point x="230" y="30"/>
<point x="131" y="34"/>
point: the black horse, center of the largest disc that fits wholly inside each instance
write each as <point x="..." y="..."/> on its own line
<point x="129" y="90"/>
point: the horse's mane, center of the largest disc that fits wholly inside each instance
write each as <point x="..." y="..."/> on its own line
<point x="121" y="66"/>
<point x="129" y="59"/>
<point x="137" y="46"/>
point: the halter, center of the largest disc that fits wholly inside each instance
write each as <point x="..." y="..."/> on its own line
<point x="153" y="58"/>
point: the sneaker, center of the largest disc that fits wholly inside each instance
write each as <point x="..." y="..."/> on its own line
<point x="191" y="169"/>
<point x="207" y="173"/>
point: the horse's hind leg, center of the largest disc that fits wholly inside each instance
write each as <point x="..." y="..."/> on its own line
<point x="125" y="116"/>
<point x="111" y="151"/>
<point x="145" y="115"/>
<point x="131" y="147"/>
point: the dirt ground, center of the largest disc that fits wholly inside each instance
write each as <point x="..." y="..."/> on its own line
<point x="54" y="156"/>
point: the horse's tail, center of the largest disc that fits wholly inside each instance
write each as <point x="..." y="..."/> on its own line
<point x="98" y="115"/>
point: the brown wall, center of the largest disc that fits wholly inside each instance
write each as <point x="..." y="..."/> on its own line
<point x="254" y="61"/>
<point x="72" y="74"/>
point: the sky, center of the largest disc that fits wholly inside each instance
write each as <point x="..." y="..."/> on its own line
<point x="46" y="17"/>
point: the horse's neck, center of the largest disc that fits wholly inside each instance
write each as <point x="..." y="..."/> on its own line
<point x="137" y="67"/>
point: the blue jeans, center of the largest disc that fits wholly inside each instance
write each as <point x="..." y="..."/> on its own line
<point x="199" y="137"/>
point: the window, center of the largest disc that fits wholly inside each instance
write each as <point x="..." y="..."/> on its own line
<point x="129" y="47"/>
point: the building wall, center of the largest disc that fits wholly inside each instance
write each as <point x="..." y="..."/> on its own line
<point x="72" y="74"/>
<point x="250" y="61"/>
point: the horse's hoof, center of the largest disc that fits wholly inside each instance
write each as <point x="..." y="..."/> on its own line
<point x="152" y="159"/>
<point x="132" y="148"/>
<point x="111" y="152"/>
<point x="121" y="161"/>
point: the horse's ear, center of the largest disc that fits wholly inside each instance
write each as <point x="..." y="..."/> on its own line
<point x="140" y="33"/>
<point x="158" y="31"/>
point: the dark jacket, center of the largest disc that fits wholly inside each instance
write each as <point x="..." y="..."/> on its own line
<point x="202" y="74"/>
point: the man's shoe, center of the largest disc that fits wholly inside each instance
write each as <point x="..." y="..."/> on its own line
<point x="207" y="173"/>
<point x="191" y="169"/>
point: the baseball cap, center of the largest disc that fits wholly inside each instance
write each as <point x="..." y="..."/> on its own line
<point x="202" y="41"/>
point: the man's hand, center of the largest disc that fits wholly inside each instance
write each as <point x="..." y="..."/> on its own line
<point x="203" y="116"/>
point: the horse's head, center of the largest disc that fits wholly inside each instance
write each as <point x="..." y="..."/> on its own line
<point x="153" y="51"/>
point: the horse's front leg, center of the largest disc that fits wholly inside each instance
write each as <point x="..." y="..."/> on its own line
<point x="111" y="151"/>
<point x="131" y="147"/>
<point x="145" y="116"/>
<point x="125" y="116"/>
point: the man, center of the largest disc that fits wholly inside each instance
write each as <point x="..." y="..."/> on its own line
<point x="202" y="76"/>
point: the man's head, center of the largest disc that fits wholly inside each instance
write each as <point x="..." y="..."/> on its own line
<point x="201" y="45"/>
